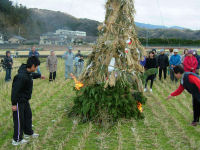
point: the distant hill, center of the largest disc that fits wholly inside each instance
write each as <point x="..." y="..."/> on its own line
<point x="31" y="23"/>
<point x="150" y="26"/>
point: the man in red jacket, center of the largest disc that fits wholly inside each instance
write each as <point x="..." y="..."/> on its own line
<point x="190" y="82"/>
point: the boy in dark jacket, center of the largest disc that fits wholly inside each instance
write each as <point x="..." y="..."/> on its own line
<point x="8" y="63"/>
<point x="21" y="94"/>
<point x="163" y="63"/>
<point x="191" y="82"/>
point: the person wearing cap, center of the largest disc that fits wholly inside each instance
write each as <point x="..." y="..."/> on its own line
<point x="69" y="58"/>
<point x="52" y="62"/>
<point x="163" y="63"/>
<point x="35" y="53"/>
<point x="8" y="63"/>
<point x="191" y="82"/>
<point x="195" y="53"/>
<point x="190" y="62"/>
<point x="175" y="60"/>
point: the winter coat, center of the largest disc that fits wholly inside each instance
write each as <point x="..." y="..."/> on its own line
<point x="36" y="54"/>
<point x="69" y="58"/>
<point x="22" y="85"/>
<point x="189" y="63"/>
<point x="163" y="61"/>
<point x="150" y="63"/>
<point x="52" y="62"/>
<point x="8" y="62"/>
<point x="175" y="60"/>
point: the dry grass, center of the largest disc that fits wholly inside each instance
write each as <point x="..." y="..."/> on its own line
<point x="166" y="124"/>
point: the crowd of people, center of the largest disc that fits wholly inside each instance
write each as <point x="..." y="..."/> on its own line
<point x="166" y="62"/>
<point x="73" y="63"/>
<point x="185" y="67"/>
<point x="181" y="67"/>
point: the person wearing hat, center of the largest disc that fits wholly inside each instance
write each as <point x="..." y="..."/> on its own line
<point x="191" y="82"/>
<point x="163" y="63"/>
<point x="8" y="63"/>
<point x="175" y="60"/>
<point x="35" y="53"/>
<point x="195" y="53"/>
<point x="52" y="66"/>
<point x="190" y="62"/>
<point x="69" y="58"/>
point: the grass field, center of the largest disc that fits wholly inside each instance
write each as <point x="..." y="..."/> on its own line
<point x="166" y="124"/>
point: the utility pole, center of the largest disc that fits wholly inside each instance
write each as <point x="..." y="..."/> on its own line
<point x="147" y="39"/>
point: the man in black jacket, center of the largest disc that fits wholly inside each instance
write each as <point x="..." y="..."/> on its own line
<point x="21" y="94"/>
<point x="8" y="63"/>
<point x="163" y="63"/>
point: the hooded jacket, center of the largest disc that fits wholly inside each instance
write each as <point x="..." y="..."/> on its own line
<point x="23" y="85"/>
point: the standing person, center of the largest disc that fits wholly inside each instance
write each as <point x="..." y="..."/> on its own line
<point x="68" y="57"/>
<point x="8" y="63"/>
<point x="21" y="94"/>
<point x="190" y="62"/>
<point x="190" y="82"/>
<point x="35" y="53"/>
<point x="163" y="63"/>
<point x="185" y="54"/>
<point x="171" y="52"/>
<point x="80" y="65"/>
<point x="52" y="62"/>
<point x="78" y="54"/>
<point x="150" y="63"/>
<point x="175" y="60"/>
<point x="156" y="57"/>
<point x="195" y="53"/>
<point x="76" y="65"/>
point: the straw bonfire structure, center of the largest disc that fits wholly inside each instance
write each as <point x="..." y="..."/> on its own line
<point x="112" y="84"/>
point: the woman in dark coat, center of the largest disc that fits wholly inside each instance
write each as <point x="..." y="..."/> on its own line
<point x="150" y="63"/>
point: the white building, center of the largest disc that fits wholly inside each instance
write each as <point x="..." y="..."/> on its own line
<point x="1" y="39"/>
<point x="62" y="37"/>
<point x="71" y="33"/>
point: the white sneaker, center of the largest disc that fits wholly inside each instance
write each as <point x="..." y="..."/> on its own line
<point x="34" y="135"/>
<point x="145" y="89"/>
<point x="19" y="143"/>
<point x="151" y="90"/>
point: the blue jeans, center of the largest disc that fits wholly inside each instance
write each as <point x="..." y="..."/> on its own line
<point x="68" y="70"/>
<point x="8" y="75"/>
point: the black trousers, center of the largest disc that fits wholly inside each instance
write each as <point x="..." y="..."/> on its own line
<point x="52" y="76"/>
<point x="196" y="109"/>
<point x="162" y="70"/>
<point x="22" y="119"/>
<point x="152" y="77"/>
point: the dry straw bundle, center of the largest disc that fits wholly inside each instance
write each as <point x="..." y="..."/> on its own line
<point x="112" y="77"/>
<point x="117" y="45"/>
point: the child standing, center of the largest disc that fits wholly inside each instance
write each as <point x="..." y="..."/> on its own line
<point x="150" y="63"/>
<point x="21" y="94"/>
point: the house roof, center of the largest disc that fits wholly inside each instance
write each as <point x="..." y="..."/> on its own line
<point x="19" y="38"/>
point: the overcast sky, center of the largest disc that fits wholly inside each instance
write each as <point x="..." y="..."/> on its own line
<point x="184" y="13"/>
